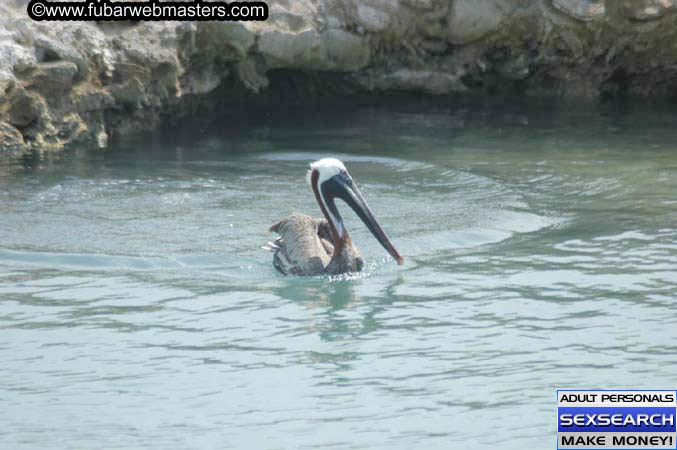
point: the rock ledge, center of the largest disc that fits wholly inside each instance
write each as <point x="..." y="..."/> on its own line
<point x="81" y="82"/>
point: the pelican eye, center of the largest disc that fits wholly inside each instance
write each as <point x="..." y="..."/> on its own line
<point x="347" y="179"/>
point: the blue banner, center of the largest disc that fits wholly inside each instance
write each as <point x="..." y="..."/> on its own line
<point x="616" y="419"/>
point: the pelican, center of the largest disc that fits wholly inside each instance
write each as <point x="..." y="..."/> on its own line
<point x="308" y="246"/>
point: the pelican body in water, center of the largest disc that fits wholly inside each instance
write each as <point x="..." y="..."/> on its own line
<point x="309" y="246"/>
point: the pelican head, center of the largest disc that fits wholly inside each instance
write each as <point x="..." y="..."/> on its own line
<point x="329" y="179"/>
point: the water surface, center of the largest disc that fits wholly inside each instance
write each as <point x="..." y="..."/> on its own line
<point x="137" y="309"/>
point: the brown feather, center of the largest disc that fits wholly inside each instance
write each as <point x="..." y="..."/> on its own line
<point x="306" y="247"/>
<point x="301" y="252"/>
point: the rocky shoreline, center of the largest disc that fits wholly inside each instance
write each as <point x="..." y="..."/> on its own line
<point x="67" y="83"/>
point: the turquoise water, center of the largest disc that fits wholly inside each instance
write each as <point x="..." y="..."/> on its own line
<point x="137" y="309"/>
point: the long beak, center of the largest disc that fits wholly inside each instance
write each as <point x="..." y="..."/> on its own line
<point x="355" y="200"/>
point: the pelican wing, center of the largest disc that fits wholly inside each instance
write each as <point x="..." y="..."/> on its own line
<point x="304" y="245"/>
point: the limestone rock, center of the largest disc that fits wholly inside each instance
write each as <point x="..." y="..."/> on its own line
<point x="57" y="75"/>
<point x="420" y="4"/>
<point x="647" y="9"/>
<point x="372" y="19"/>
<point x="25" y="108"/>
<point x="431" y="81"/>
<point x="89" y="100"/>
<point x="514" y="68"/>
<point x="49" y="50"/>
<point x="225" y="40"/>
<point x="293" y="50"/>
<point x="470" y="20"/>
<point x="346" y="51"/>
<point x="11" y="139"/>
<point x="335" y="50"/>
<point x="202" y="82"/>
<point x="585" y="10"/>
<point x="130" y="94"/>
<point x="11" y="55"/>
